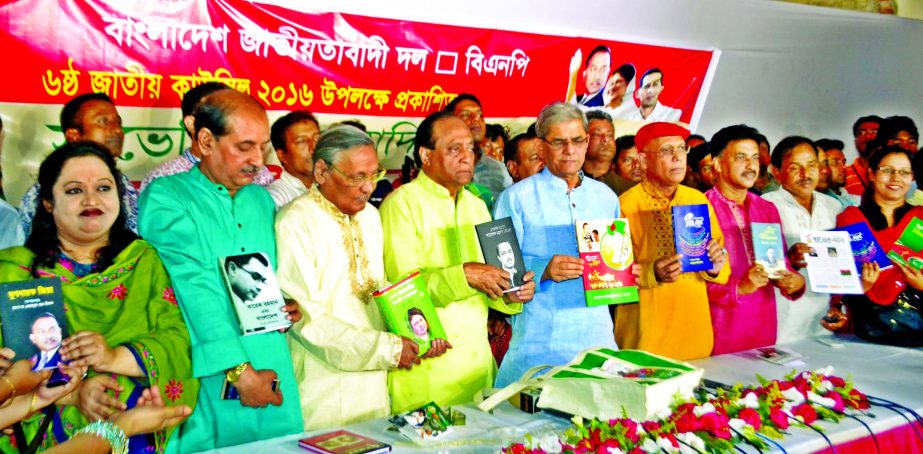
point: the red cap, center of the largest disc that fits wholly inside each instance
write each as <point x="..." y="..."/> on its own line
<point x="655" y="130"/>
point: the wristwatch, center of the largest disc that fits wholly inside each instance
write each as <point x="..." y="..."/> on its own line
<point x="233" y="373"/>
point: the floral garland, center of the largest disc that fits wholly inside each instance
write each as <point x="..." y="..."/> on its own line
<point x="713" y="420"/>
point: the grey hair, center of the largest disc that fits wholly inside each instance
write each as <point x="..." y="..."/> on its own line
<point x="597" y="114"/>
<point x="334" y="141"/>
<point x="557" y="112"/>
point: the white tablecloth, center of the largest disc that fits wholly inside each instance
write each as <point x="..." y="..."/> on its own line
<point x="888" y="372"/>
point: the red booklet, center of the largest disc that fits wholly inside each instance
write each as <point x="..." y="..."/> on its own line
<point x="343" y="442"/>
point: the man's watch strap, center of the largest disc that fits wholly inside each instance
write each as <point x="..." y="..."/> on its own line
<point x="233" y="374"/>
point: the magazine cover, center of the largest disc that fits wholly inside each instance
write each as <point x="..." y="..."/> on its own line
<point x="907" y="248"/>
<point x="767" y="247"/>
<point x="501" y="249"/>
<point x="830" y="264"/>
<point x="254" y="292"/>
<point x="33" y="320"/>
<point x="408" y="311"/>
<point x="691" y="234"/>
<point x="865" y="247"/>
<point x="605" y="247"/>
<point x="343" y="442"/>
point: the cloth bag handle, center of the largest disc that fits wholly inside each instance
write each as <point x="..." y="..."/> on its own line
<point x="527" y="380"/>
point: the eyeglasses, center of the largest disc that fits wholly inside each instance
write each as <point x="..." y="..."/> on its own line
<point x="890" y="171"/>
<point x="559" y="144"/>
<point x="740" y="157"/>
<point x="677" y="151"/>
<point x="468" y="115"/>
<point x="356" y="181"/>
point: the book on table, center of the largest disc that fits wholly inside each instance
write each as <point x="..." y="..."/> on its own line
<point x="691" y="235"/>
<point x="343" y="442"/>
<point x="605" y="247"/>
<point x="407" y="310"/>
<point x="254" y="292"/>
<point x="501" y="249"/>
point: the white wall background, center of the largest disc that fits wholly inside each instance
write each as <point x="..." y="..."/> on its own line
<point x="784" y="68"/>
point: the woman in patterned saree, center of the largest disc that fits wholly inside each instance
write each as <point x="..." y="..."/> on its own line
<point x="121" y="312"/>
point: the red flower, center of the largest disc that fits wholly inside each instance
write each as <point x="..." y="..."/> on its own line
<point x="637" y="450"/>
<point x="174" y="389"/>
<point x="752" y="417"/>
<point x="673" y="440"/>
<point x="604" y="447"/>
<point x="169" y="296"/>
<point x="836" y="381"/>
<point x="807" y="413"/>
<point x="837" y="399"/>
<point x="716" y="425"/>
<point x="687" y="422"/>
<point x="631" y="430"/>
<point x="778" y="418"/>
<point x="858" y="400"/>
<point x="783" y="385"/>
<point x="651" y="426"/>
<point x="120" y="292"/>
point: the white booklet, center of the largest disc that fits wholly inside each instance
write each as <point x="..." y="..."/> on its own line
<point x="831" y="268"/>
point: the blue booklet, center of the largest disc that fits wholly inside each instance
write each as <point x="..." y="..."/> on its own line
<point x="691" y="234"/>
<point x="767" y="247"/>
<point x="865" y="247"/>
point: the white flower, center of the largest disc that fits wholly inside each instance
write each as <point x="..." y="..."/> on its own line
<point x="820" y="400"/>
<point x="793" y="395"/>
<point x="695" y="444"/>
<point x="737" y="424"/>
<point x="824" y="386"/>
<point x="666" y="445"/>
<point x="550" y="444"/>
<point x="703" y="409"/>
<point x="825" y="371"/>
<point x="750" y="401"/>
<point x="650" y="446"/>
<point x="615" y="451"/>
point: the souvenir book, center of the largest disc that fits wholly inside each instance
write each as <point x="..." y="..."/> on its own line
<point x="691" y="235"/>
<point x="776" y="355"/>
<point x="865" y="248"/>
<point x="501" y="249"/>
<point x="426" y="423"/>
<point x="768" y="249"/>
<point x="408" y="311"/>
<point x="830" y="264"/>
<point x="343" y="442"/>
<point x="908" y="249"/>
<point x="254" y="292"/>
<point x="605" y="247"/>
<point x="33" y="320"/>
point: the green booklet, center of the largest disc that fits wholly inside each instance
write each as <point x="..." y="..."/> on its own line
<point x="908" y="249"/>
<point x="408" y="311"/>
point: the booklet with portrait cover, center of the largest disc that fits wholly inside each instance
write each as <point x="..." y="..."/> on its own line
<point x="691" y="234"/>
<point x="830" y="264"/>
<point x="908" y="249"/>
<point x="343" y="442"/>
<point x="501" y="249"/>
<point x="767" y="247"/>
<point x="33" y="320"/>
<point x="408" y="311"/>
<point x="776" y="355"/>
<point x="605" y="247"/>
<point x="254" y="292"/>
<point x="865" y="248"/>
<point x="426" y="423"/>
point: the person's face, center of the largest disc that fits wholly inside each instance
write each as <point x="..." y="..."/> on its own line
<point x="665" y="160"/>
<point x="350" y="181"/>
<point x="451" y="163"/>
<point x="867" y="132"/>
<point x="770" y="254"/>
<point x="823" y="171"/>
<point x="596" y="72"/>
<point x="706" y="175"/>
<point x="470" y="113"/>
<point x="651" y="86"/>
<point x="837" y="162"/>
<point x="529" y="162"/>
<point x="887" y="180"/>
<point x="616" y="87"/>
<point x="98" y="121"/>
<point x="602" y="140"/>
<point x="235" y="159"/>
<point x="739" y="165"/>
<point x="300" y="139"/>
<point x="493" y="148"/>
<point x="799" y="171"/>
<point x="629" y="165"/>
<point x="505" y="254"/>
<point x="247" y="281"/>
<point x="86" y="200"/>
<point x="904" y="140"/>
<point x="419" y="325"/>
<point x="46" y="334"/>
<point x="765" y="156"/>
<point x="565" y="148"/>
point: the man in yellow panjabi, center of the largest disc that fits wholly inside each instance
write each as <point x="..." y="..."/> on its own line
<point x="672" y="318"/>
<point x="429" y="225"/>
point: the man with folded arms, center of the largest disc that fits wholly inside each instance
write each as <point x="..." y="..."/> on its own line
<point x="672" y="318"/>
<point x="743" y="310"/>
<point x="429" y="226"/>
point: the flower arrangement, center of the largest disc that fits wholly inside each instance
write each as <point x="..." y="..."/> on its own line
<point x="713" y="420"/>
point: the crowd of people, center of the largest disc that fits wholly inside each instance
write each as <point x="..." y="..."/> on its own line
<point x="155" y="341"/>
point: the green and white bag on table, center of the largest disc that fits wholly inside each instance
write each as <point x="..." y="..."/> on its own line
<point x="601" y="382"/>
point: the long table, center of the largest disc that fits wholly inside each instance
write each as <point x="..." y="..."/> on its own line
<point x="891" y="373"/>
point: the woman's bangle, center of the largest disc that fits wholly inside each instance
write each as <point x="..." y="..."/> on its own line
<point x="9" y="400"/>
<point x="32" y="408"/>
<point x="110" y="432"/>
